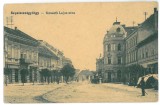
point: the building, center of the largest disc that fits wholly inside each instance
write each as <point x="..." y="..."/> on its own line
<point x="47" y="60"/>
<point x="55" y="58"/>
<point x="142" y="49"/>
<point x="114" y="52"/>
<point x="85" y="75"/>
<point x="18" y="45"/>
<point x="21" y="51"/>
<point x="130" y="52"/>
<point x="147" y="44"/>
<point x="57" y="64"/>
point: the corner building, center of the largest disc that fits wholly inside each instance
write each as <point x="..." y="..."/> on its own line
<point x="114" y="48"/>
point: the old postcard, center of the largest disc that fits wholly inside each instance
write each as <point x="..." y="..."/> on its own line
<point x="95" y="52"/>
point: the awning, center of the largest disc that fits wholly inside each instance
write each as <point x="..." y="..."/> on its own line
<point x="145" y="65"/>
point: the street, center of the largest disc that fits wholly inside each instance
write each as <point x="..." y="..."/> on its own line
<point x="76" y="92"/>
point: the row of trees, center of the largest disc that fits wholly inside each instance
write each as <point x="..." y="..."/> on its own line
<point x="67" y="71"/>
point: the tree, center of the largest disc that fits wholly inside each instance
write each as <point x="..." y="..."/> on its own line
<point x="46" y="73"/>
<point x="7" y="71"/>
<point x="68" y="71"/>
<point x="24" y="73"/>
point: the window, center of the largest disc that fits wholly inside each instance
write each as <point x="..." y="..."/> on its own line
<point x="152" y="52"/>
<point x="118" y="29"/>
<point x="109" y="47"/>
<point x="23" y="55"/>
<point x="129" y="57"/>
<point x="146" y="54"/>
<point x="48" y="63"/>
<point x="113" y="35"/>
<point x="16" y="53"/>
<point x="119" y="60"/>
<point x="113" y="47"/>
<point x="143" y="55"/>
<point x="109" y="60"/>
<point x="35" y="56"/>
<point x="126" y="58"/>
<point x="9" y="51"/>
<point x="29" y="55"/>
<point x="119" y="47"/>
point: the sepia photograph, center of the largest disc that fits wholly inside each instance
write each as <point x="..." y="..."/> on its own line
<point x="80" y="52"/>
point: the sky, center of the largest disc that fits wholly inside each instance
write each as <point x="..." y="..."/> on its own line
<point x="80" y="35"/>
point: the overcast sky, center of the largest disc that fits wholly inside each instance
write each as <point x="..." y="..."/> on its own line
<point x="80" y="35"/>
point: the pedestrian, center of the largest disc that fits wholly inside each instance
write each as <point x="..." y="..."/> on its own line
<point x="143" y="86"/>
<point x="57" y="80"/>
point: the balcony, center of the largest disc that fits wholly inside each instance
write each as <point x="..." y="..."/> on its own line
<point x="25" y="61"/>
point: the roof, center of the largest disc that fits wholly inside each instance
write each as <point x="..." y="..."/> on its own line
<point x="148" y="39"/>
<point x="130" y="30"/>
<point x="147" y="28"/>
<point x="45" y="52"/>
<point x="19" y="33"/>
<point x="113" y="29"/>
<point x="86" y="72"/>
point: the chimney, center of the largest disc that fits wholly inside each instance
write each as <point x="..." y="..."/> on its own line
<point x="15" y="28"/>
<point x="156" y="18"/>
<point x="155" y="10"/>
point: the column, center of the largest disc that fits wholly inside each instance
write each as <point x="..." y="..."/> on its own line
<point x="13" y="76"/>
<point x="19" y="76"/>
<point x="38" y="76"/>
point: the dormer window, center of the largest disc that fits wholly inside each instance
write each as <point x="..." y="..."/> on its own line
<point x="118" y="29"/>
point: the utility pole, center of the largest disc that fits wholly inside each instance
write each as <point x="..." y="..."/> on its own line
<point x="9" y="21"/>
<point x="145" y="15"/>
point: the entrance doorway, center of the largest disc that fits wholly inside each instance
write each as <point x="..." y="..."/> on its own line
<point x="119" y="75"/>
<point x="16" y="75"/>
<point x="109" y="76"/>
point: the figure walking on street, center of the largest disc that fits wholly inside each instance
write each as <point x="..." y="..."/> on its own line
<point x="143" y="86"/>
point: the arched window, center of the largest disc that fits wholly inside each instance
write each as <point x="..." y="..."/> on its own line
<point x="119" y="75"/>
<point x="119" y="60"/>
<point x="109" y="60"/>
<point x="109" y="47"/>
<point x="119" y="47"/>
<point x="118" y="29"/>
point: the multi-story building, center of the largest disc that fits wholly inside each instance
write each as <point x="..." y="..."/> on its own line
<point x="130" y="54"/>
<point x="56" y="63"/>
<point x="18" y="45"/>
<point x="21" y="51"/>
<point x="147" y="44"/>
<point x="46" y="59"/>
<point x="125" y="47"/>
<point x="114" y="52"/>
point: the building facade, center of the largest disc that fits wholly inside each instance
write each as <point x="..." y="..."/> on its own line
<point x="18" y="45"/>
<point x="113" y="45"/>
<point x="130" y="52"/>
<point x="148" y="44"/>
<point x="57" y="64"/>
<point x="21" y="51"/>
